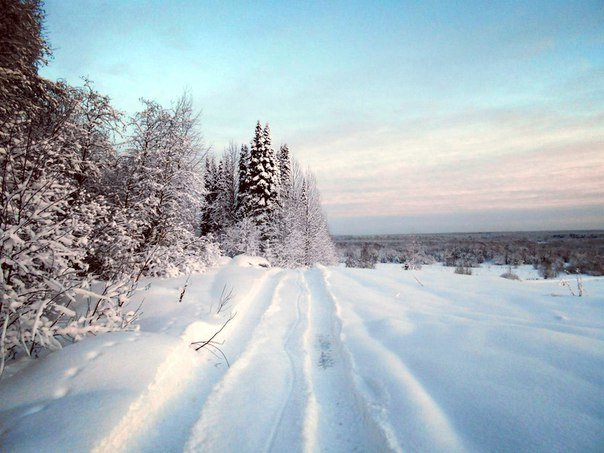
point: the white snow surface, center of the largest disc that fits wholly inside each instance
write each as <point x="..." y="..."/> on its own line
<point x="327" y="359"/>
<point x="250" y="261"/>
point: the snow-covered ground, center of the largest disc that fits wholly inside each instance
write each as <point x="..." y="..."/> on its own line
<point x="327" y="359"/>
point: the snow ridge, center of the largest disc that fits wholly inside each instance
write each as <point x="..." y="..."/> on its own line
<point x="181" y="379"/>
<point x="173" y="375"/>
<point x="338" y="417"/>
<point x="292" y="410"/>
<point x="232" y="397"/>
<point x="393" y="391"/>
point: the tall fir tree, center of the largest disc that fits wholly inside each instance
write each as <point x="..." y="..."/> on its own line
<point x="210" y="181"/>
<point x="243" y="186"/>
<point x="285" y="171"/>
<point x="227" y="186"/>
<point x="264" y="177"/>
<point x="273" y="168"/>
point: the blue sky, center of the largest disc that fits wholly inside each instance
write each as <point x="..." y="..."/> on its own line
<point x="415" y="116"/>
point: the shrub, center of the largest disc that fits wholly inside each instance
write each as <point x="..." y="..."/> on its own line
<point x="367" y="258"/>
<point x="463" y="270"/>
<point x="549" y="267"/>
<point x="510" y="275"/>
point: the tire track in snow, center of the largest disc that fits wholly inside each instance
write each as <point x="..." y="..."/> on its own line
<point x="247" y="405"/>
<point x="337" y="416"/>
<point x="288" y="431"/>
<point x="161" y="418"/>
<point x="412" y="419"/>
<point x="434" y="301"/>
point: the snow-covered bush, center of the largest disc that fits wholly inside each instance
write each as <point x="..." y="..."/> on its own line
<point x="463" y="270"/>
<point x="53" y="145"/>
<point x="510" y="275"/>
<point x="45" y="227"/>
<point x="241" y="238"/>
<point x="549" y="267"/>
<point x="183" y="257"/>
<point x="365" y="257"/>
<point x="411" y="265"/>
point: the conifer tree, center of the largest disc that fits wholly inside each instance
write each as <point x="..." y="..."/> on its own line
<point x="227" y="187"/>
<point x="285" y="171"/>
<point x="278" y="207"/>
<point x="244" y="182"/>
<point x="210" y="180"/>
<point x="264" y="176"/>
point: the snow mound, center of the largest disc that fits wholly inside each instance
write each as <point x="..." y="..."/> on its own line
<point x="250" y="261"/>
<point x="223" y="261"/>
<point x="59" y="396"/>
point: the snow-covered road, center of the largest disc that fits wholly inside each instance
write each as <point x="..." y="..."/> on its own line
<point x="292" y="386"/>
<point x="328" y="359"/>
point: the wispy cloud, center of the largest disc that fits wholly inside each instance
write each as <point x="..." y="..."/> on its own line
<point x="481" y="160"/>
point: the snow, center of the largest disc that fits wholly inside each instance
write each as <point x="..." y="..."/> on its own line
<point x="327" y="359"/>
<point x="250" y="261"/>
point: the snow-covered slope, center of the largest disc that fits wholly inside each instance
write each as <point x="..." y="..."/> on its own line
<point x="327" y="359"/>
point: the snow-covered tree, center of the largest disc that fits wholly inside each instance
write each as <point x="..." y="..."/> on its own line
<point x="318" y="246"/>
<point x="264" y="193"/>
<point x="209" y="225"/>
<point x="301" y="234"/>
<point x="283" y="203"/>
<point x="285" y="171"/>
<point x="242" y="237"/>
<point x="226" y="203"/>
<point x="163" y="188"/>
<point x="49" y="138"/>
<point x="243" y="187"/>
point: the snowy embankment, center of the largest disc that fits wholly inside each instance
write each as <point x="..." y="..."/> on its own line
<point x="327" y="359"/>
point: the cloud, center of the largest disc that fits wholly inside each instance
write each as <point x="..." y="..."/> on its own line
<point x="585" y="217"/>
<point x="480" y="160"/>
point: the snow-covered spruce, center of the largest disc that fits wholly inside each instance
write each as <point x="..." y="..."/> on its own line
<point x="277" y="210"/>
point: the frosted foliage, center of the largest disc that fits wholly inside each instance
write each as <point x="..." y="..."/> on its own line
<point x="278" y="209"/>
<point x="183" y="258"/>
<point x="244" y="181"/>
<point x="45" y="228"/>
<point x="264" y="190"/>
<point x="242" y="237"/>
<point x="158" y="204"/>
<point x="80" y="223"/>
<point x="219" y="210"/>
<point x="318" y="246"/>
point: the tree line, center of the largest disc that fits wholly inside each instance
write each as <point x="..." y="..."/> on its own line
<point x="260" y="202"/>
<point x="91" y="200"/>
<point x="551" y="253"/>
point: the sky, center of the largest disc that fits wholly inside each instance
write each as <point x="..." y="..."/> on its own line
<point x="415" y="116"/>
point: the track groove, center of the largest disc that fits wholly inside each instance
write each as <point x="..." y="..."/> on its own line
<point x="261" y="374"/>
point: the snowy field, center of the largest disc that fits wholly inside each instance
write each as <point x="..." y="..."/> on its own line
<point x="327" y="359"/>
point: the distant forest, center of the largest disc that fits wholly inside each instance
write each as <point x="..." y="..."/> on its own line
<point x="552" y="252"/>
